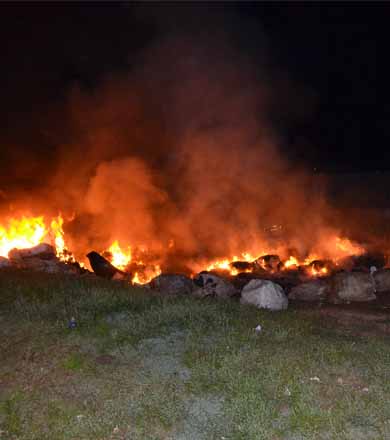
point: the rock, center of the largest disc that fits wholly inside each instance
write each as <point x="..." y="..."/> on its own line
<point x="364" y="262"/>
<point x="172" y="284"/>
<point x="213" y="285"/>
<point x="352" y="286"/>
<point x="314" y="290"/>
<point x="43" y="251"/>
<point x="382" y="280"/>
<point x="4" y="262"/>
<point x="264" y="294"/>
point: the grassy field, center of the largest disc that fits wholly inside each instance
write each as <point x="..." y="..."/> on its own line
<point x="141" y="366"/>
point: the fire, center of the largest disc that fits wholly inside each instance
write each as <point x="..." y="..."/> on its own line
<point x="56" y="227"/>
<point x="122" y="259"/>
<point x="147" y="275"/>
<point x="291" y="262"/>
<point x="221" y="264"/>
<point x="27" y="232"/>
<point x="318" y="272"/>
<point x="24" y="233"/>
<point x="119" y="259"/>
<point x="346" y="246"/>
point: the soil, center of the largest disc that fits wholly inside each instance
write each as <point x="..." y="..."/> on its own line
<point x="358" y="318"/>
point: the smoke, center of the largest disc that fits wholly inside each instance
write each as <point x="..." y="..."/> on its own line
<point x="179" y="152"/>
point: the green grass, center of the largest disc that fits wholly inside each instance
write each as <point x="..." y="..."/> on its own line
<point x="142" y="366"/>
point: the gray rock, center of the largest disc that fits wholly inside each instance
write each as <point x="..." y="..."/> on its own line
<point x="213" y="285"/>
<point x="352" y="286"/>
<point x="172" y="284"/>
<point x="264" y="294"/>
<point x="382" y="280"/>
<point x="313" y="290"/>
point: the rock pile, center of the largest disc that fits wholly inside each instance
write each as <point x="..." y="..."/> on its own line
<point x="265" y="287"/>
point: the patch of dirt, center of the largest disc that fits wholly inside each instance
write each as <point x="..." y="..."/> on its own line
<point x="202" y="413"/>
<point x="162" y="356"/>
<point x="360" y="319"/>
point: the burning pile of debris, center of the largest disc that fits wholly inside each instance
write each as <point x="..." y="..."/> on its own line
<point x="266" y="281"/>
<point x="40" y="258"/>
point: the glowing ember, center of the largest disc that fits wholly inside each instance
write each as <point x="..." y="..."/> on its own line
<point x="318" y="272"/>
<point x="291" y="262"/>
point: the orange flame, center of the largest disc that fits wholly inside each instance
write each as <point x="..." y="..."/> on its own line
<point x="26" y="232"/>
<point x="120" y="259"/>
<point x="318" y="272"/>
<point x="291" y="262"/>
<point x="147" y="275"/>
<point x="23" y="233"/>
<point x="30" y="231"/>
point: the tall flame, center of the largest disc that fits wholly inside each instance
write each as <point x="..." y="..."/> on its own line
<point x="58" y="232"/>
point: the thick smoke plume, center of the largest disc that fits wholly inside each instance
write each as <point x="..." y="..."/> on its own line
<point x="178" y="156"/>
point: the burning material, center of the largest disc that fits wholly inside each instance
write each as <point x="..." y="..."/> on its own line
<point x="291" y="263"/>
<point x="27" y="232"/>
<point x="270" y="263"/>
<point x="142" y="273"/>
<point x="139" y="265"/>
<point x="319" y="268"/>
<point x="21" y="233"/>
<point x="41" y="258"/>
<point x="119" y="258"/>
<point x="102" y="267"/>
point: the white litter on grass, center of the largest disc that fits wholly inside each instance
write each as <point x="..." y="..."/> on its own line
<point x="315" y="379"/>
<point x="287" y="392"/>
<point x="258" y="329"/>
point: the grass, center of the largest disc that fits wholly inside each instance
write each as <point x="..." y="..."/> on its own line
<point x="143" y="366"/>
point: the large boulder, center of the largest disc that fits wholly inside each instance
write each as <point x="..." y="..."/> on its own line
<point x="172" y="284"/>
<point x="352" y="286"/>
<point x="382" y="280"/>
<point x="313" y="290"/>
<point x="264" y="294"/>
<point x="213" y="285"/>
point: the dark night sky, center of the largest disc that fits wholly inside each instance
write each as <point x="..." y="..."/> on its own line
<point x="337" y="53"/>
